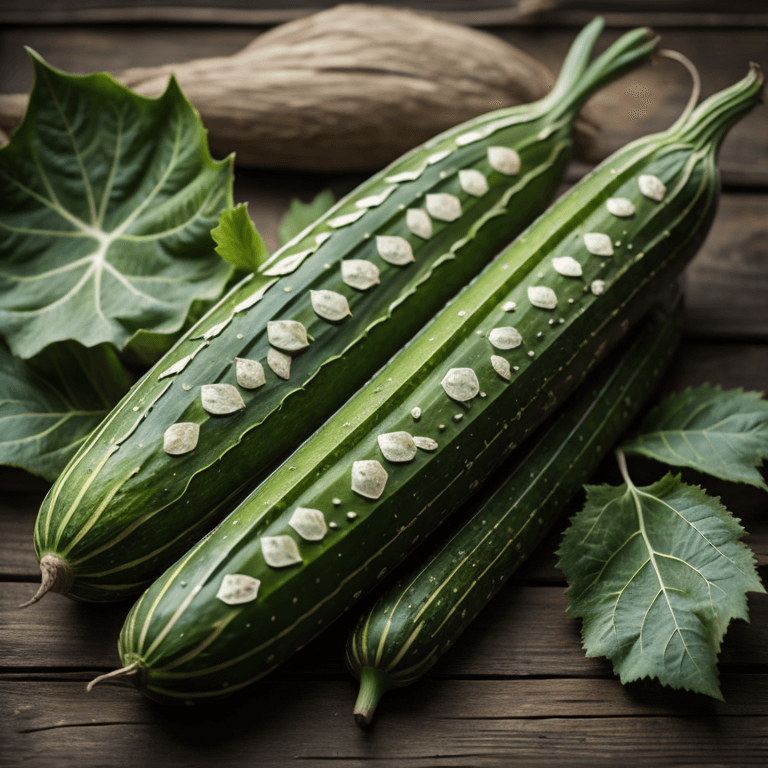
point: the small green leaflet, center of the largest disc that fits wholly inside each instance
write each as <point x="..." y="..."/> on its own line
<point x="238" y="241"/>
<point x="301" y="215"/>
<point x="657" y="574"/>
<point x="724" y="434"/>
<point x="107" y="200"/>
<point x="44" y="419"/>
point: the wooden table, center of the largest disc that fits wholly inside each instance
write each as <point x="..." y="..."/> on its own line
<point x="517" y="689"/>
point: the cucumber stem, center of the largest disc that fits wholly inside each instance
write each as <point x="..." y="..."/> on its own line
<point x="373" y="685"/>
<point x="56" y="577"/>
<point x="131" y="669"/>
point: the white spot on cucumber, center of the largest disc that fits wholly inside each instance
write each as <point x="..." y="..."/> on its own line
<point x="280" y="363"/>
<point x="181" y="438"/>
<point x="397" y="446"/>
<point x="288" y="264"/>
<point x="542" y="296"/>
<point x="249" y="373"/>
<point x="330" y="305"/>
<point x="308" y="523"/>
<point x="504" y="160"/>
<point x="359" y="273"/>
<point x="461" y="384"/>
<point x="598" y="244"/>
<point x="443" y="206"/>
<point x="651" y="187"/>
<point x="287" y="335"/>
<point x="345" y="219"/>
<point x="237" y="588"/>
<point x="505" y="337"/>
<point x="567" y="266"/>
<point x="368" y="478"/>
<point x="620" y="206"/>
<point x="220" y="399"/>
<point x="501" y="366"/>
<point x="425" y="443"/>
<point x="473" y="182"/>
<point x="280" y="551"/>
<point x="394" y="250"/>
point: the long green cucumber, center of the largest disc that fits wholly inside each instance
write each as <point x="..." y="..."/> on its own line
<point x="413" y="444"/>
<point x="290" y="344"/>
<point x="401" y="636"/>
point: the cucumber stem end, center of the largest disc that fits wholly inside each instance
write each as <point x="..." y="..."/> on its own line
<point x="56" y="577"/>
<point x="373" y="685"/>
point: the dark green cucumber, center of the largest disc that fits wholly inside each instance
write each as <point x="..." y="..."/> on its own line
<point x="281" y="353"/>
<point x="361" y="493"/>
<point x="401" y="636"/>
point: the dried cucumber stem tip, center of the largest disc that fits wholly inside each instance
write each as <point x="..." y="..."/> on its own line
<point x="56" y="577"/>
<point x="131" y="669"/>
<point x="695" y="77"/>
<point x="373" y="685"/>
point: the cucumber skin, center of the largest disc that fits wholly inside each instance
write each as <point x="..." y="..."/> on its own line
<point x="402" y="635"/>
<point x="175" y="500"/>
<point x="189" y="646"/>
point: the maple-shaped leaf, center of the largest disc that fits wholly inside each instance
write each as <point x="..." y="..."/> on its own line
<point x="238" y="240"/>
<point x="300" y="215"/>
<point x="656" y="574"/>
<point x="107" y="200"/>
<point x="45" y="418"/>
<point x="720" y="433"/>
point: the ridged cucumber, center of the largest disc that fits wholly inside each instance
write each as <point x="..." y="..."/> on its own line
<point x="288" y="346"/>
<point x="400" y="637"/>
<point x="359" y="494"/>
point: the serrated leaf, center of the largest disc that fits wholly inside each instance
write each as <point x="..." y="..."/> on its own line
<point x="301" y="215"/>
<point x="45" y="418"/>
<point x="107" y="200"/>
<point x="657" y="574"/>
<point x="720" y="433"/>
<point x="238" y="241"/>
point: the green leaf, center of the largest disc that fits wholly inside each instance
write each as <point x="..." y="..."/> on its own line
<point x="45" y="418"/>
<point x="107" y="200"/>
<point x="301" y="215"/>
<point x="657" y="574"/>
<point x="724" y="434"/>
<point x="238" y="241"/>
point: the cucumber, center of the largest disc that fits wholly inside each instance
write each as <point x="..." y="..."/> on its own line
<point x="400" y="637"/>
<point x="412" y="445"/>
<point x="289" y="345"/>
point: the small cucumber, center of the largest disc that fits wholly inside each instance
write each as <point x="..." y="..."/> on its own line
<point x="401" y="636"/>
<point x="290" y="344"/>
<point x="411" y="446"/>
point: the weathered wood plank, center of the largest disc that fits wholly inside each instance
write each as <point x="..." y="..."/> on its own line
<point x="644" y="101"/>
<point x="524" y="632"/>
<point x="445" y="722"/>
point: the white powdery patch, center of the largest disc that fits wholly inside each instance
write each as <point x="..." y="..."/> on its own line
<point x="280" y="551"/>
<point x="249" y="373"/>
<point x="181" y="438"/>
<point x="359" y="273"/>
<point x="436" y="157"/>
<point x="280" y="363"/>
<point x="394" y="250"/>
<point x="397" y="446"/>
<point x="288" y="264"/>
<point x="220" y="399"/>
<point x="237" y="588"/>
<point x="504" y="160"/>
<point x="254" y="297"/>
<point x="567" y="266"/>
<point x="419" y="223"/>
<point x="308" y="523"/>
<point x="651" y="187"/>
<point x="598" y="244"/>
<point x="461" y="384"/>
<point x="542" y="296"/>
<point x="177" y="367"/>
<point x="505" y="337"/>
<point x="473" y="182"/>
<point x="443" y="207"/>
<point x="416" y="413"/>
<point x="620" y="206"/>
<point x="501" y="366"/>
<point x="425" y="443"/>
<point x="345" y="219"/>
<point x="287" y="335"/>
<point x="373" y="200"/>
<point x="215" y="330"/>
<point x="329" y="305"/>
<point x="597" y="287"/>
<point x="404" y="176"/>
<point x="368" y="478"/>
<point x="509" y="306"/>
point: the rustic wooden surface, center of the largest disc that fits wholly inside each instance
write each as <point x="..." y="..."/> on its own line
<point x="517" y="689"/>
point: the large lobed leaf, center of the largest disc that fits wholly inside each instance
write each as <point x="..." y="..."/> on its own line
<point x="657" y="574"/>
<point x="107" y="200"/>
<point x="44" y="419"/>
<point x="720" y="433"/>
